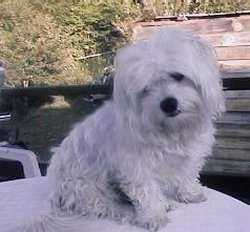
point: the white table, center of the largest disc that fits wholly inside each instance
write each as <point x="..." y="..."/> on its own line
<point x="24" y="201"/>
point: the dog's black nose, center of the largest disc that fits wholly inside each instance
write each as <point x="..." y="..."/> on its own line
<point x="169" y="106"/>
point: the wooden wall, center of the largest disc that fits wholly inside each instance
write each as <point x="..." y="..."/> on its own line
<point x="231" y="38"/>
<point x="232" y="149"/>
<point x="229" y="35"/>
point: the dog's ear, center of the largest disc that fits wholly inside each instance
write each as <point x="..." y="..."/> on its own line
<point x="209" y="78"/>
<point x="126" y="62"/>
<point x="120" y="96"/>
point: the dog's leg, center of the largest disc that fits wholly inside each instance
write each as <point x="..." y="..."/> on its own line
<point x="191" y="193"/>
<point x="150" y="204"/>
<point x="188" y="186"/>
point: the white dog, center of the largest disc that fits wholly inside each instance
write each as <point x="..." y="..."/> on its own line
<point x="141" y="153"/>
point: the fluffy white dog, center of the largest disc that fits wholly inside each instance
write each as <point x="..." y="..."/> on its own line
<point x="141" y="153"/>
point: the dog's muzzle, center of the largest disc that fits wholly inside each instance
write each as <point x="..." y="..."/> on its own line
<point x="170" y="106"/>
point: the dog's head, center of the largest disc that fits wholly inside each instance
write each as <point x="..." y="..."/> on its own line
<point x="172" y="77"/>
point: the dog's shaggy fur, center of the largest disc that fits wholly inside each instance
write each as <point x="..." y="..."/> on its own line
<point x="141" y="153"/>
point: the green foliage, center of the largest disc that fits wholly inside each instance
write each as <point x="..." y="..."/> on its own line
<point x="34" y="47"/>
<point x="95" y="27"/>
<point x="95" y="23"/>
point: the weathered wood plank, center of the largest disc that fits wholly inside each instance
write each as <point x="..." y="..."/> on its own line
<point x="238" y="100"/>
<point x="233" y="130"/>
<point x="238" y="104"/>
<point x="226" y="39"/>
<point x="222" y="39"/>
<point x="227" y="167"/>
<point x="233" y="53"/>
<point x="201" y="26"/>
<point x="239" y="94"/>
<point x="234" y="65"/>
<point x="233" y="143"/>
<point x="231" y="154"/>
<point x="234" y="118"/>
<point x="229" y="35"/>
<point x="235" y="74"/>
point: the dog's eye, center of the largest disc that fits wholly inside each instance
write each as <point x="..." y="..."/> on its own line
<point x="145" y="92"/>
<point x="177" y="76"/>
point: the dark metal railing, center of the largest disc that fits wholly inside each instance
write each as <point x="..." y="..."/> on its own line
<point x="84" y="90"/>
<point x="229" y="83"/>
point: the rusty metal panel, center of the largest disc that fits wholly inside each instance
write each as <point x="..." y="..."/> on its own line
<point x="230" y="35"/>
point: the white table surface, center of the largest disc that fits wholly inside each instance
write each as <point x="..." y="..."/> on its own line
<point x="25" y="201"/>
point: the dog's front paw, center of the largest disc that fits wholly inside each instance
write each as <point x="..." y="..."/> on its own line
<point x="191" y="195"/>
<point x="152" y="220"/>
<point x="152" y="223"/>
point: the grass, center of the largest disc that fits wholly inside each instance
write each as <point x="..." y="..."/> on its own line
<point x="46" y="126"/>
